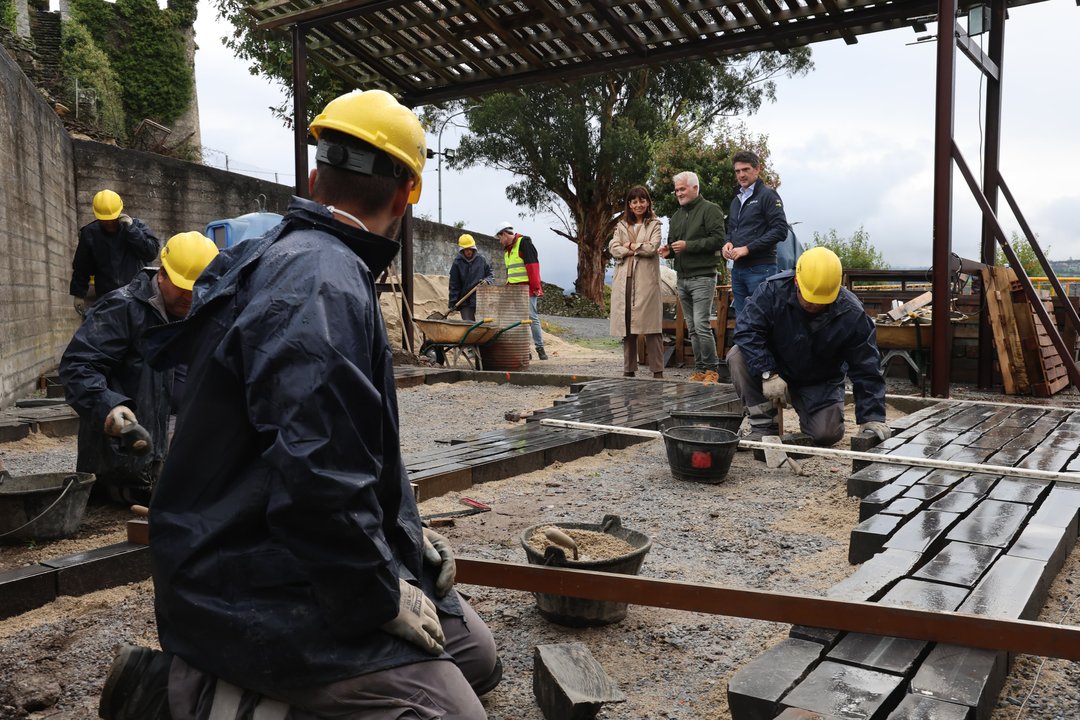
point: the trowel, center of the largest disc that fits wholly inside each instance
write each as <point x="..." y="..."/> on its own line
<point x="774" y="457"/>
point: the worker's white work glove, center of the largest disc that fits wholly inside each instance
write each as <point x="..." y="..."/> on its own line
<point x="119" y="418"/>
<point x="437" y="552"/>
<point x="125" y="220"/>
<point x="878" y="428"/>
<point x="81" y="306"/>
<point x="417" y="620"/>
<point x="775" y="389"/>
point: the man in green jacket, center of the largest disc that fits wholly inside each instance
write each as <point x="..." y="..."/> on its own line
<point x="695" y="236"/>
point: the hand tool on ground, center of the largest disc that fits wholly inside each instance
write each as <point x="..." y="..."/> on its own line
<point x="561" y="539"/>
<point x="1073" y="478"/>
<point x="775" y="458"/>
<point x="475" y="508"/>
<point x="443" y="316"/>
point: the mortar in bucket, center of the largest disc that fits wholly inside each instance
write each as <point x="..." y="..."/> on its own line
<point x="579" y="612"/>
<point x="700" y="453"/>
<point x="42" y="507"/>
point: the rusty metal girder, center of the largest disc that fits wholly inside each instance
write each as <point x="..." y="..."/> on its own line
<point x="1018" y="636"/>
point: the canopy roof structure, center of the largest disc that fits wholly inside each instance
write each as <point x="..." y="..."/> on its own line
<point x="427" y="51"/>
<point x="430" y="51"/>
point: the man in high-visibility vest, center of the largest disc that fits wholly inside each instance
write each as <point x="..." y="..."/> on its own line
<point x="523" y="266"/>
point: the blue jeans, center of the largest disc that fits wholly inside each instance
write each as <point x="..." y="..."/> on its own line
<point x="538" y="336"/>
<point x="696" y="296"/>
<point x="744" y="281"/>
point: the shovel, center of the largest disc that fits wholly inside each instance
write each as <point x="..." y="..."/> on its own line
<point x="775" y="457"/>
<point x="441" y="316"/>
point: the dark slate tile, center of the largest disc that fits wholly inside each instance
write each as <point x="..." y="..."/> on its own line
<point x="846" y="691"/>
<point x="911" y="476"/>
<point x="875" y="576"/>
<point x="864" y="481"/>
<point x="992" y="522"/>
<point x="1020" y="490"/>
<point x="1045" y="543"/>
<point x="925" y="492"/>
<point x="896" y="656"/>
<point x="959" y="564"/>
<point x="948" y="478"/>
<point x="876" y="501"/>
<point x="869" y="536"/>
<point x="826" y="637"/>
<point x="101" y="568"/>
<point x="903" y="507"/>
<point x="26" y="588"/>
<point x="922" y="532"/>
<point x="1060" y="508"/>
<point x="754" y="691"/>
<point x="922" y="707"/>
<point x="978" y="484"/>
<point x="966" y="454"/>
<point x="1013" y="587"/>
<point x="957" y="502"/>
<point x="924" y="595"/>
<point x="800" y="714"/>
<point x="962" y="675"/>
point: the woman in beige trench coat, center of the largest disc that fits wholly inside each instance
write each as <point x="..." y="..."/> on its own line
<point x="635" y="292"/>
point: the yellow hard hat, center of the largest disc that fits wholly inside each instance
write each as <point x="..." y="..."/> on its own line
<point x="107" y="205"/>
<point x="466" y="241"/>
<point x="375" y="117"/>
<point x="819" y="273"/>
<point x="185" y="256"/>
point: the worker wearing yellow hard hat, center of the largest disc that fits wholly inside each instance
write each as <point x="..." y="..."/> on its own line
<point x="469" y="270"/>
<point x="284" y="493"/>
<point x="111" y="249"/>
<point x="797" y="338"/>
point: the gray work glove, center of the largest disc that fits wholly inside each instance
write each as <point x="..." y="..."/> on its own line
<point x="437" y="552"/>
<point x="878" y="428"/>
<point x="119" y="418"/>
<point x="775" y="390"/>
<point x="81" y="306"/>
<point x="125" y="220"/>
<point x="417" y="621"/>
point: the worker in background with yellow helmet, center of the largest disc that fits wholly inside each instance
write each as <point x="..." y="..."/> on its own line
<point x="797" y="337"/>
<point x="112" y="248"/>
<point x="123" y="404"/>
<point x="470" y="269"/>
<point x="292" y="576"/>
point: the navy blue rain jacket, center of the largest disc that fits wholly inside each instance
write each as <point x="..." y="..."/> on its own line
<point x="759" y="224"/>
<point x="813" y="352"/>
<point x="105" y="365"/>
<point x="464" y="274"/>
<point x="284" y="518"/>
<point x="111" y="258"/>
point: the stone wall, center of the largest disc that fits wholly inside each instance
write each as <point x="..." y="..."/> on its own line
<point x="37" y="234"/>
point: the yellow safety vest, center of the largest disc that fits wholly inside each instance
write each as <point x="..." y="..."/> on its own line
<point x="515" y="266"/>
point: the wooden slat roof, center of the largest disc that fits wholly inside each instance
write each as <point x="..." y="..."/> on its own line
<point x="434" y="50"/>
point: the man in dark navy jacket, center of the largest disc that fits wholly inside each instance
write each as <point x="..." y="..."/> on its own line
<point x="796" y="339"/>
<point x="292" y="576"/>
<point x="755" y="225"/>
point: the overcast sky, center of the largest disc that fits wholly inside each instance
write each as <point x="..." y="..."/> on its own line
<point x="852" y="141"/>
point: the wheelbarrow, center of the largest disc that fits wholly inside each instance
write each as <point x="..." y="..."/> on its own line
<point x="449" y="342"/>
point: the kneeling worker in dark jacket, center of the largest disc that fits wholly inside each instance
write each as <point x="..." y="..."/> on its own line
<point x="292" y="576"/>
<point x="110" y="384"/>
<point x="797" y="337"/>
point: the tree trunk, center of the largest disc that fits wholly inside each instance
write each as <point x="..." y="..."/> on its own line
<point x="592" y="242"/>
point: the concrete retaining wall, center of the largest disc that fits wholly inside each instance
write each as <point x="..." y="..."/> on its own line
<point x="435" y="246"/>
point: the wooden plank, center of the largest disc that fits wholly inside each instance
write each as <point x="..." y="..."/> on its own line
<point x="569" y="684"/>
<point x="1003" y="326"/>
<point x="914" y="304"/>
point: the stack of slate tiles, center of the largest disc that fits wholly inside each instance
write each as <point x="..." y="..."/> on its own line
<point x="934" y="540"/>
<point x="611" y="401"/>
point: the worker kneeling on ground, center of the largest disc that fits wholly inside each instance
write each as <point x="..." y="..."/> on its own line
<point x="292" y="577"/>
<point x="796" y="338"/>
<point x="123" y="404"/>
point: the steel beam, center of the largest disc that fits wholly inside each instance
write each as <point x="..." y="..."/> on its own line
<point x="300" y="102"/>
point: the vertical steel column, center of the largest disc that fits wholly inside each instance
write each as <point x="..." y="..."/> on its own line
<point x="942" y="249"/>
<point x="300" y="102"/>
<point x="991" y="179"/>
<point x="407" y="272"/>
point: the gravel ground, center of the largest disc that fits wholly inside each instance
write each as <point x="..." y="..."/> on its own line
<point x="761" y="528"/>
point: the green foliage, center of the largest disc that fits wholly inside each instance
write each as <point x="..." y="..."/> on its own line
<point x="145" y="46"/>
<point x="1025" y="254"/>
<point x="855" y="253"/>
<point x="83" y="61"/>
<point x="710" y="158"/>
<point x="8" y="17"/>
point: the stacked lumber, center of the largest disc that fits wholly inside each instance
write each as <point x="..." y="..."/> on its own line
<point x="1027" y="358"/>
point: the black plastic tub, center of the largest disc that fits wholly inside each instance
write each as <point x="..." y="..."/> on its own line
<point x="725" y="420"/>
<point x="579" y="612"/>
<point x="699" y="453"/>
<point x="42" y="507"/>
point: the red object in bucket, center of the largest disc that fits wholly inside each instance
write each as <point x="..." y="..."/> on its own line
<point x="701" y="460"/>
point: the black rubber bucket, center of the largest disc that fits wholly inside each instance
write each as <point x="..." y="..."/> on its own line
<point x="42" y="507"/>
<point x="579" y="612"/>
<point x="724" y="420"/>
<point x="700" y="453"/>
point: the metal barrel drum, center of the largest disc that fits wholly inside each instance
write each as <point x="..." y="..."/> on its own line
<point x="506" y="304"/>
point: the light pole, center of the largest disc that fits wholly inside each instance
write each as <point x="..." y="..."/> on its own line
<point x="450" y="154"/>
